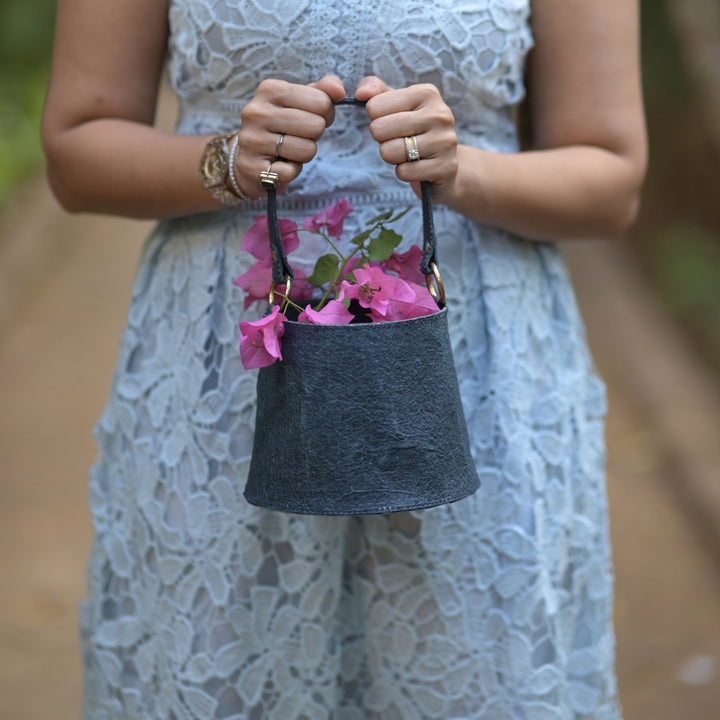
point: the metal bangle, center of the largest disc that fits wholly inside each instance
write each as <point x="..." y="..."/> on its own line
<point x="234" y="185"/>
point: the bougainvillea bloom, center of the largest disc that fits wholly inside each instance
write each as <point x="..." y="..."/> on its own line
<point x="347" y="287"/>
<point x="388" y="297"/>
<point x="406" y="265"/>
<point x="331" y="219"/>
<point x="334" y="313"/>
<point x="260" y="339"/>
<point x="257" y="279"/>
<point x="256" y="240"/>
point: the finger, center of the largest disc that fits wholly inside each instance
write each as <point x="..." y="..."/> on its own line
<point x="399" y="125"/>
<point x="435" y="170"/>
<point x="370" y="87"/>
<point x="332" y="85"/>
<point x="264" y="119"/>
<point x="285" y="107"/>
<point x="396" y="150"/>
<point x="435" y="118"/>
<point x="291" y="95"/>
<point x="436" y="143"/>
<point x="284" y="146"/>
<point x="285" y="171"/>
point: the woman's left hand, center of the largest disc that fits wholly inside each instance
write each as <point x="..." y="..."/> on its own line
<point x="413" y="118"/>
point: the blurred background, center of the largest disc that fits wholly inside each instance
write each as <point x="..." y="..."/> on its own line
<point x="652" y="309"/>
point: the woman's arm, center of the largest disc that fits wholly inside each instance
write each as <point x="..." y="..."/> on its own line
<point x="583" y="177"/>
<point x="103" y="153"/>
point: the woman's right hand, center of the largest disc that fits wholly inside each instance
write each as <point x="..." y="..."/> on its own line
<point x="297" y="113"/>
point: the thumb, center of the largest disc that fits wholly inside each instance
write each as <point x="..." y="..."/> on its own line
<point x="369" y="87"/>
<point x="332" y="86"/>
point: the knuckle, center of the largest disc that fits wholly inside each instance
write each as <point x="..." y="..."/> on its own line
<point x="316" y="126"/>
<point x="442" y="117"/>
<point x="404" y="172"/>
<point x="308" y="152"/>
<point x="386" y="152"/>
<point x="271" y="87"/>
<point x="253" y="112"/>
<point x="428" y="92"/>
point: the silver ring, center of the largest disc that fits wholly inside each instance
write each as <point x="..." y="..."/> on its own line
<point x="412" y="151"/>
<point x="269" y="180"/>
<point x="278" y="145"/>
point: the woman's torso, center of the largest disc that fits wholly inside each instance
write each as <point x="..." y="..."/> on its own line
<point x="473" y="52"/>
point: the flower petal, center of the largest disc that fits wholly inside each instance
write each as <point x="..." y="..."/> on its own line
<point x="331" y="218"/>
<point x="406" y="265"/>
<point x="255" y="281"/>
<point x="260" y="339"/>
<point x="256" y="240"/>
<point x="334" y="313"/>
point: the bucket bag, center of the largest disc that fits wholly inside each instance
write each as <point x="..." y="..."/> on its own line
<point x="363" y="418"/>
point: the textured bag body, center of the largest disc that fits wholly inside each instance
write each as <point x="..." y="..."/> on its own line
<point x="361" y="419"/>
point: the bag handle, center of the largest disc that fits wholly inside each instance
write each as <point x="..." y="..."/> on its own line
<point x="282" y="273"/>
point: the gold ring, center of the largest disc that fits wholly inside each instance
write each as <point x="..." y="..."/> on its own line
<point x="269" y="180"/>
<point x="437" y="290"/>
<point x="411" y="148"/>
<point x="278" y="145"/>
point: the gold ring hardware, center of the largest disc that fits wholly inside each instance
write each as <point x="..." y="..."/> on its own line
<point x="285" y="297"/>
<point x="269" y="180"/>
<point x="436" y="288"/>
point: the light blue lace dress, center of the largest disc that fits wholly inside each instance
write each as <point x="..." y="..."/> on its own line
<point x="202" y="607"/>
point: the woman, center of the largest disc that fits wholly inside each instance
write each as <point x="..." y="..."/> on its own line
<point x="498" y="606"/>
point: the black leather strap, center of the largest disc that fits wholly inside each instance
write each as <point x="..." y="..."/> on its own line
<point x="281" y="267"/>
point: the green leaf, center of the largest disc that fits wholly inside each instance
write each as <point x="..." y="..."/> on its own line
<point x="325" y="269"/>
<point x="382" y="246"/>
<point x="399" y="215"/>
<point x="380" y="218"/>
<point x="360" y="238"/>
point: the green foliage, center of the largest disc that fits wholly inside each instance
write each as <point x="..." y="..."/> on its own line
<point x="664" y="75"/>
<point x="382" y="246"/>
<point x="26" y="28"/>
<point x="20" y="110"/>
<point x="686" y="264"/>
<point x="325" y="270"/>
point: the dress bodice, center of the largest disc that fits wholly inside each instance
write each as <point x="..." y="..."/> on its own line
<point x="473" y="52"/>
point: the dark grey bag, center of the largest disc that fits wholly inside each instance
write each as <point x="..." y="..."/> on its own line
<point x="363" y="418"/>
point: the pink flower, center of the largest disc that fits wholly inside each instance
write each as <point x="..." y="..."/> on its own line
<point x="260" y="339"/>
<point x="331" y="218"/>
<point x="424" y="303"/>
<point x="257" y="279"/>
<point x="256" y="240"/>
<point x="350" y="266"/>
<point x="334" y="313"/>
<point x="375" y="289"/>
<point x="406" y="265"/>
<point x="388" y="297"/>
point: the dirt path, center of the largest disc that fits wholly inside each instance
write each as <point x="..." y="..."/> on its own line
<point x="64" y="288"/>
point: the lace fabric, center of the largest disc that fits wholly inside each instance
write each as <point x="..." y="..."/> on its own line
<point x="202" y="606"/>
